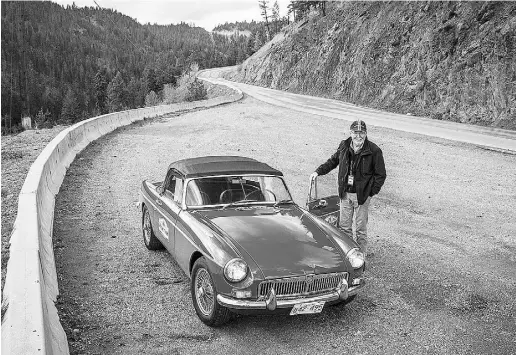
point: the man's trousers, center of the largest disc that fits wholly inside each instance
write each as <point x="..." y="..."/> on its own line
<point x="349" y="210"/>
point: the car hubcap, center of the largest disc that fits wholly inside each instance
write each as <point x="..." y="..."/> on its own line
<point x="204" y="292"/>
<point x="146" y="227"/>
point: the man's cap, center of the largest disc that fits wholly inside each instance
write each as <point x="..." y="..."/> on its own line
<point x="358" y="126"/>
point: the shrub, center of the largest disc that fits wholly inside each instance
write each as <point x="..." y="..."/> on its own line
<point x="196" y="91"/>
<point x="172" y="95"/>
<point x="40" y="118"/>
<point x="43" y="120"/>
<point x="152" y="99"/>
<point x="12" y="129"/>
<point x="187" y="88"/>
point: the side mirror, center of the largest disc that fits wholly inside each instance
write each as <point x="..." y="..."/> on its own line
<point x="160" y="189"/>
<point x="322" y="204"/>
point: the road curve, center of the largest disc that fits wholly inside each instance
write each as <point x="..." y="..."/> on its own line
<point x="494" y="138"/>
<point x="441" y="280"/>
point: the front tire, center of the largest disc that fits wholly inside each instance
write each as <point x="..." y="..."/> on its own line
<point x="346" y="301"/>
<point x="204" y="296"/>
<point x="149" y="238"/>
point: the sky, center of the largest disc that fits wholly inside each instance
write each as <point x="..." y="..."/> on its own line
<point x="202" y="13"/>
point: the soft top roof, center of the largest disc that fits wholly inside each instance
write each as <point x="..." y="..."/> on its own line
<point x="222" y="165"/>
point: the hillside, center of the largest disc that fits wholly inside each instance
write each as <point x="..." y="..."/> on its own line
<point x="54" y="56"/>
<point x="446" y="60"/>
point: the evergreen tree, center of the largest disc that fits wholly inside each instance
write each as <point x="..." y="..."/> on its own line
<point x="264" y="7"/>
<point x="275" y="17"/>
<point x="150" y="80"/>
<point x="136" y="91"/>
<point x="116" y="94"/>
<point x="100" y="84"/>
<point x="258" y="41"/>
<point x="301" y="8"/>
<point x="70" y="112"/>
<point x="52" y="99"/>
<point x="250" y="45"/>
<point x="48" y="48"/>
<point x="241" y="55"/>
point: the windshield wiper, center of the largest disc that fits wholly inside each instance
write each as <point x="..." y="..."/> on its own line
<point x="280" y="202"/>
<point x="235" y="203"/>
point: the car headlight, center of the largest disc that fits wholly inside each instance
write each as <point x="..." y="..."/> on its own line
<point x="356" y="258"/>
<point x="235" y="270"/>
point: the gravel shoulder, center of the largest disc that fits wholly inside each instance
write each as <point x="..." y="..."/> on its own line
<point x="441" y="280"/>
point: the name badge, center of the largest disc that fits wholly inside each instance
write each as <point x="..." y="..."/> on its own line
<point x="350" y="180"/>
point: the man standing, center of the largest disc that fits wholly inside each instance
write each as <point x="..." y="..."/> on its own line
<point x="361" y="176"/>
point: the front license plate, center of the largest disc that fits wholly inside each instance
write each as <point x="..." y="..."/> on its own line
<point x="307" y="308"/>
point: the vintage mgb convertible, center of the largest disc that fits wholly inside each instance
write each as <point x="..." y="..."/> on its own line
<point x="231" y="225"/>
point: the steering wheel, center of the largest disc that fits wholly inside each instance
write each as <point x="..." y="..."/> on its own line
<point x="258" y="193"/>
<point x="224" y="195"/>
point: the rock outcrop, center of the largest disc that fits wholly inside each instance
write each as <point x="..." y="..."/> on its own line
<point x="446" y="60"/>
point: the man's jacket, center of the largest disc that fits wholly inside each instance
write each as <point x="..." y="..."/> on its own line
<point x="370" y="173"/>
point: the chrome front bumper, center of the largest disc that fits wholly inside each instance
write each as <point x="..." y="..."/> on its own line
<point x="271" y="303"/>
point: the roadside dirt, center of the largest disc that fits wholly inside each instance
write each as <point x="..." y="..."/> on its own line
<point x="441" y="280"/>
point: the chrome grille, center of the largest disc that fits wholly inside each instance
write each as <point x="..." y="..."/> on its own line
<point x="302" y="285"/>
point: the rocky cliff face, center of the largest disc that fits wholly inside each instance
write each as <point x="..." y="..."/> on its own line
<point x="446" y="60"/>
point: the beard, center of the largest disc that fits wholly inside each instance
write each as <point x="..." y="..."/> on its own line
<point x="357" y="143"/>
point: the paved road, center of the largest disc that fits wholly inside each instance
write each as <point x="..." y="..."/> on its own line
<point x="495" y="138"/>
<point x="441" y="281"/>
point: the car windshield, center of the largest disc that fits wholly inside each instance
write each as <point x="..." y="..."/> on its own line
<point x="247" y="189"/>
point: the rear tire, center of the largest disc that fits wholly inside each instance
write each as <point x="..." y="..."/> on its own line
<point x="204" y="296"/>
<point x="149" y="238"/>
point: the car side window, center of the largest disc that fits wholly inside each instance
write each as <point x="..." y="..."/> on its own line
<point x="171" y="186"/>
<point x="178" y="190"/>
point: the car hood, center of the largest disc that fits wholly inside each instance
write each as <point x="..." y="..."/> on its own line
<point x="283" y="241"/>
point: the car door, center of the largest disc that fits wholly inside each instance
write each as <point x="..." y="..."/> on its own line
<point x="327" y="207"/>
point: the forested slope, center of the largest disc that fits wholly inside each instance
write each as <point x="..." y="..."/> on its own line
<point x="61" y="60"/>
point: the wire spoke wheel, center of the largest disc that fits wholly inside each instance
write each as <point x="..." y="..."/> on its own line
<point x="146" y="227"/>
<point x="204" y="295"/>
<point x="204" y="292"/>
<point x="149" y="238"/>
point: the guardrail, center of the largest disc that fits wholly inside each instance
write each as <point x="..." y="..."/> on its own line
<point x="30" y="323"/>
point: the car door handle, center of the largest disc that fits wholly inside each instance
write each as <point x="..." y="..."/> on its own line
<point x="158" y="201"/>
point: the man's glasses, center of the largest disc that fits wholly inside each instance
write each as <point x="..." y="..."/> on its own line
<point x="358" y="134"/>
